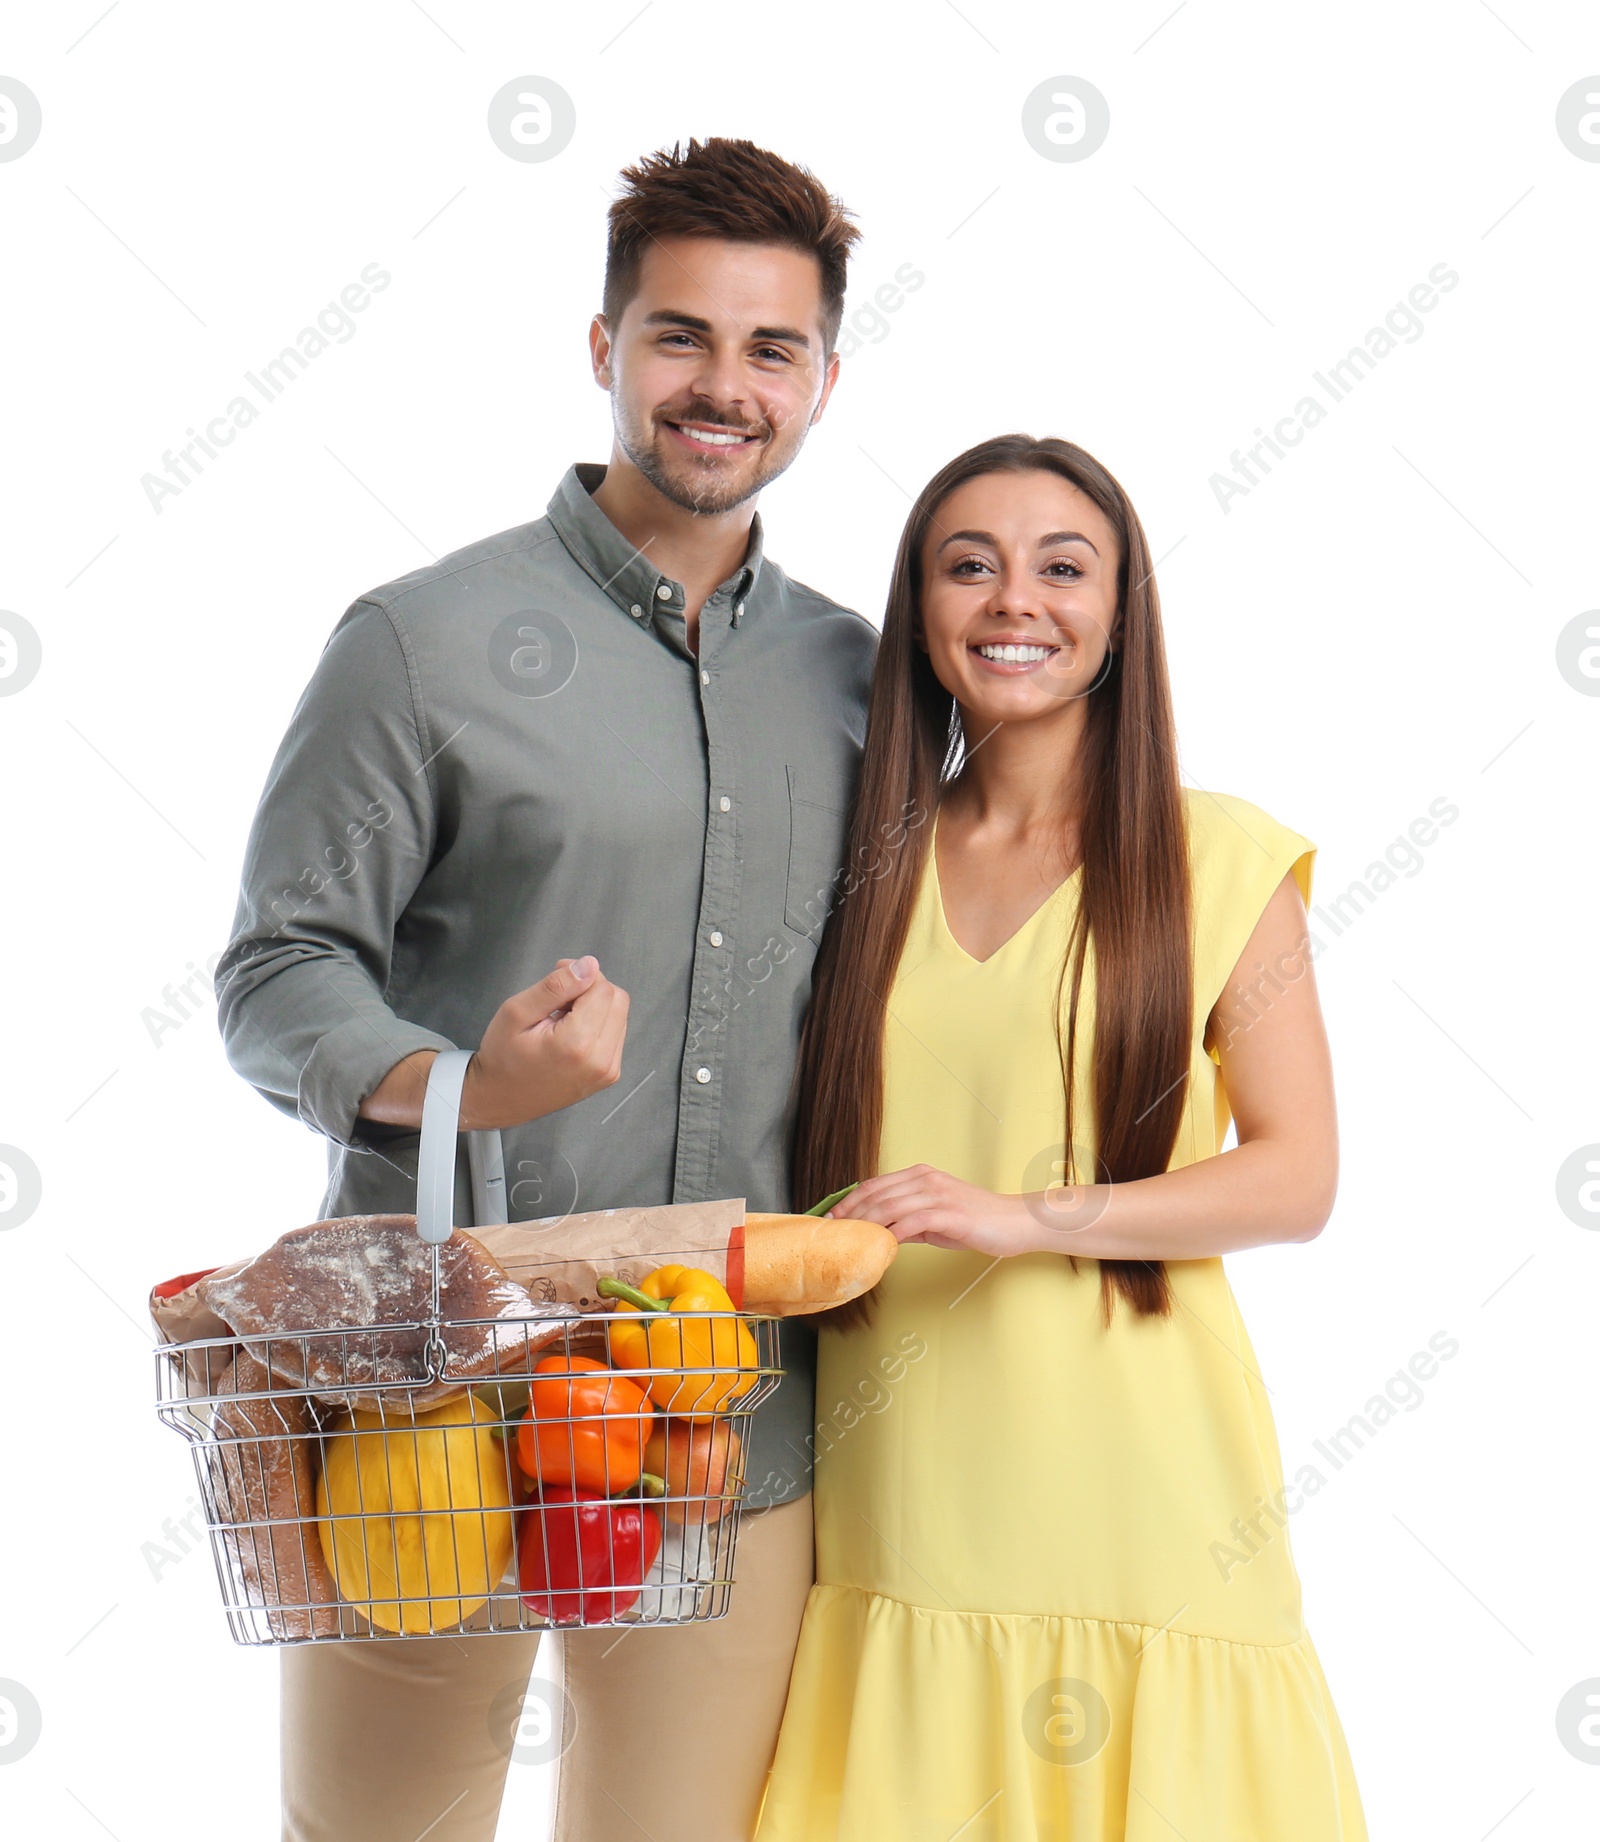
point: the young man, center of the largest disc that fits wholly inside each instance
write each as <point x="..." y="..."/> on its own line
<point x="575" y="796"/>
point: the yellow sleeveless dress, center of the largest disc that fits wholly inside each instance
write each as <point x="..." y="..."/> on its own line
<point x="1055" y="1596"/>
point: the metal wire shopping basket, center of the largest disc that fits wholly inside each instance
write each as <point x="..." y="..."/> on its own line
<point x="588" y="1470"/>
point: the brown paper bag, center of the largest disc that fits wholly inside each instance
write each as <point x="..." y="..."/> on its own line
<point x="562" y="1258"/>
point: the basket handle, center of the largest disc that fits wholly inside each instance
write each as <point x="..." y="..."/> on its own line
<point x="436" y="1157"/>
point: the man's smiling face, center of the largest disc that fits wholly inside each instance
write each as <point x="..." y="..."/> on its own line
<point x="717" y="369"/>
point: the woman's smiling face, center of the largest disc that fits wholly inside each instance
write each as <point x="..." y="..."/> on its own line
<point x="1019" y="595"/>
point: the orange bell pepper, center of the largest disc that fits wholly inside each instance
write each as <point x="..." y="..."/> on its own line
<point x="585" y="1426"/>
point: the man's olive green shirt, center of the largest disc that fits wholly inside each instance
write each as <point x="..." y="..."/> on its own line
<point x="512" y="757"/>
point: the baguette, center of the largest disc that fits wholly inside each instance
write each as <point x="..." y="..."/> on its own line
<point x="799" y="1263"/>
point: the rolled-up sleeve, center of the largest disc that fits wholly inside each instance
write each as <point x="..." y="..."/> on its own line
<point x="343" y="835"/>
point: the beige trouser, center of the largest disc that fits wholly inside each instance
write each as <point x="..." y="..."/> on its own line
<point x="671" y="1736"/>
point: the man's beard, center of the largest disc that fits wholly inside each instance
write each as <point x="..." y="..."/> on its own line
<point x="704" y="492"/>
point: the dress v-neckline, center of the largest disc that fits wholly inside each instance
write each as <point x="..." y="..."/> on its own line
<point x="1016" y="934"/>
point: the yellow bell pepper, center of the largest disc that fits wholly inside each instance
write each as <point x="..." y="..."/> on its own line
<point x="702" y="1364"/>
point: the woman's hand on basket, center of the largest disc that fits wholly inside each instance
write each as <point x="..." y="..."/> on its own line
<point x="923" y="1204"/>
<point x="547" y="1048"/>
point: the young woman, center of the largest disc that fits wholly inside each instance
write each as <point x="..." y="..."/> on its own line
<point x="1055" y="1596"/>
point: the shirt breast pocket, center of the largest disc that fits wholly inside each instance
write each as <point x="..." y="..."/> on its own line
<point x="817" y="827"/>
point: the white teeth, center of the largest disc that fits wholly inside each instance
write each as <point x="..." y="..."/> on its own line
<point x="1017" y="653"/>
<point x="719" y="438"/>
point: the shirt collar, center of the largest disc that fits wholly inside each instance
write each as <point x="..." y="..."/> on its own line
<point x="628" y="576"/>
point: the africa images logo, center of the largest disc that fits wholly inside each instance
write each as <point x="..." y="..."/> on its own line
<point x="334" y="325"/>
<point x="1402" y="325"/>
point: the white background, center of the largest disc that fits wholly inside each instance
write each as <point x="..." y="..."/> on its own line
<point x="1372" y="628"/>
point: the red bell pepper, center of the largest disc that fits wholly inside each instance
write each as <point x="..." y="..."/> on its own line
<point x="582" y="1557"/>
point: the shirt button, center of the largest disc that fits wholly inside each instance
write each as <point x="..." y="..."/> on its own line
<point x="702" y="1075"/>
<point x="636" y="610"/>
<point x="716" y="937"/>
<point x="725" y="804"/>
<point x="705" y="677"/>
<point x="664" y="592"/>
<point x="738" y="609"/>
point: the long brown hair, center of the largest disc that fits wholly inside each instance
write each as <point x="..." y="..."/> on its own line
<point x="1134" y="901"/>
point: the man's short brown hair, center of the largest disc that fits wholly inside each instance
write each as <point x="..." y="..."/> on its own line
<point x="738" y="192"/>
